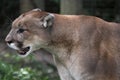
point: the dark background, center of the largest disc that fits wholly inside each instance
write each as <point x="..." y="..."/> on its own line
<point x="40" y="66"/>
<point x="106" y="9"/>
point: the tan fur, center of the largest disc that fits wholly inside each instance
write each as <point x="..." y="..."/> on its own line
<point x="84" y="47"/>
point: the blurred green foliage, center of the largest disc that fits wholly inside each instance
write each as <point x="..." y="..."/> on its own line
<point x="28" y="68"/>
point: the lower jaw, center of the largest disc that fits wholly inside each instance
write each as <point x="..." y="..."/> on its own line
<point x="24" y="51"/>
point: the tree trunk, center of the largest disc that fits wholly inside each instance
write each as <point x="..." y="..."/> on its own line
<point x="26" y="5"/>
<point x="71" y="7"/>
<point x="39" y="4"/>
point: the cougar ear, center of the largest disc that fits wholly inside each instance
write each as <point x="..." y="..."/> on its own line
<point x="37" y="9"/>
<point x="47" y="20"/>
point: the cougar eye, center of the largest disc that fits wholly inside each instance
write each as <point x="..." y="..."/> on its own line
<point x="20" y="30"/>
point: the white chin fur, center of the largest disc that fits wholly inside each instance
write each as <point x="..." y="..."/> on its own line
<point x="13" y="46"/>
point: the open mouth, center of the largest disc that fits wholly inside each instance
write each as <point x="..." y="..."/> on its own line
<point x="23" y="51"/>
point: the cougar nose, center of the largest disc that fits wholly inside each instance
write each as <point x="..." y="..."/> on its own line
<point x="8" y="40"/>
